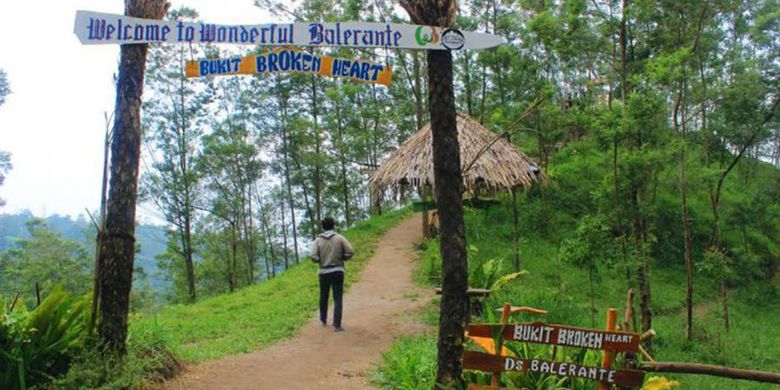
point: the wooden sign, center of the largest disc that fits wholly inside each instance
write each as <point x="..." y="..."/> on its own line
<point x="292" y="61"/>
<point x="496" y="363"/>
<point x="567" y="336"/>
<point x="102" y="28"/>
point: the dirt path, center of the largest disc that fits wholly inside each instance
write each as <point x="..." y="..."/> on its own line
<point x="377" y="309"/>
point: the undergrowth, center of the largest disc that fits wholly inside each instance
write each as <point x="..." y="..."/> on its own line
<point x="562" y="289"/>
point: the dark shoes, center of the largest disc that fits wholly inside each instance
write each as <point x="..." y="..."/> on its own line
<point x="338" y="329"/>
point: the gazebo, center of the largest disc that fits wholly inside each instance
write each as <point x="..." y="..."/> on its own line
<point x="490" y="164"/>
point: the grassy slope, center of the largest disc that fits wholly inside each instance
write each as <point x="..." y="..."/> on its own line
<point x="753" y="341"/>
<point x="257" y="316"/>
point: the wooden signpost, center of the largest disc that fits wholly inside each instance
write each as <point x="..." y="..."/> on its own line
<point x="608" y="341"/>
<point x="567" y="336"/>
<point x="292" y="61"/>
<point x="103" y="28"/>
<point x="496" y="363"/>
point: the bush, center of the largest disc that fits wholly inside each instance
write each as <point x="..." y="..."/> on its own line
<point x="409" y="365"/>
<point x="148" y="359"/>
<point x="37" y="345"/>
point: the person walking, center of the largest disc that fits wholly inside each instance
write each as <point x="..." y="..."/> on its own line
<point x="331" y="250"/>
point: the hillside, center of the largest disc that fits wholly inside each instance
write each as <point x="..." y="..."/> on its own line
<point x="150" y="238"/>
<point x="551" y="223"/>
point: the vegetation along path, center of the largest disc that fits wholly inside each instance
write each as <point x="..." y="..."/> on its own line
<point x="376" y="311"/>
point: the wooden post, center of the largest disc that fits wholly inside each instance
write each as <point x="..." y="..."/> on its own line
<point x="505" y="311"/>
<point x="424" y="198"/>
<point x="606" y="356"/>
<point x="515" y="234"/>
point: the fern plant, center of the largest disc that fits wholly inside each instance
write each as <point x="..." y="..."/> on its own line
<point x="37" y="345"/>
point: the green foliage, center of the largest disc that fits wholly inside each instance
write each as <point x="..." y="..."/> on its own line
<point x="5" y="89"/>
<point x="490" y="275"/>
<point x="410" y="364"/>
<point x="37" y="345"/>
<point x="46" y="259"/>
<point x="148" y="360"/>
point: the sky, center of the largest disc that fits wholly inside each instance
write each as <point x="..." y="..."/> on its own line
<point x="53" y="122"/>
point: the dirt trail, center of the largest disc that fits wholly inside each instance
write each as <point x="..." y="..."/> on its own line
<point x="376" y="311"/>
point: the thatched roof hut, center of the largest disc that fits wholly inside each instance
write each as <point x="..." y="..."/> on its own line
<point x="498" y="165"/>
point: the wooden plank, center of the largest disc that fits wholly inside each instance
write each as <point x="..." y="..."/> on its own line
<point x="486" y="387"/>
<point x="104" y="28"/>
<point x="472" y="292"/>
<point x="291" y="60"/>
<point x="493" y="363"/>
<point x="567" y="336"/>
<point x="524" y="309"/>
<point x="709" y="369"/>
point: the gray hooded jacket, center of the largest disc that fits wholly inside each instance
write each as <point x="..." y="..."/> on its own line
<point x="331" y="249"/>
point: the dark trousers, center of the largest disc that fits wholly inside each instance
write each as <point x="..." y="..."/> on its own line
<point x="333" y="280"/>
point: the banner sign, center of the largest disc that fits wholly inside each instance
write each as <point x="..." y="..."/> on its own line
<point x="567" y="336"/>
<point x="101" y="28"/>
<point x="496" y="363"/>
<point x="291" y="60"/>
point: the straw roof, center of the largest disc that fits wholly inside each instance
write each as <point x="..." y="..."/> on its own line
<point x="500" y="167"/>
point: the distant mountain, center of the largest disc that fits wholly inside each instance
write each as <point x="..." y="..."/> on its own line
<point x="151" y="238"/>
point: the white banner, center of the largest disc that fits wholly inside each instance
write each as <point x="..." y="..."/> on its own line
<point x="100" y="28"/>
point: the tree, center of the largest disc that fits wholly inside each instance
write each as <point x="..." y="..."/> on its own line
<point x="175" y="115"/>
<point x="449" y="192"/>
<point x="5" y="88"/>
<point x="43" y="261"/>
<point x="118" y="243"/>
<point x="5" y="157"/>
<point x="5" y="166"/>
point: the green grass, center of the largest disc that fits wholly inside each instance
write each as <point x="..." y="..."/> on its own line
<point x="752" y="343"/>
<point x="257" y="316"/>
<point x="409" y="365"/>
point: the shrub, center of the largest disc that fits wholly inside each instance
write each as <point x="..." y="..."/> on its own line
<point x="37" y="345"/>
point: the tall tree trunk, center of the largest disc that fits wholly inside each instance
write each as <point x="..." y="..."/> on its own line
<point x="306" y="202"/>
<point x="284" y="236"/>
<point x="684" y="204"/>
<point x="342" y="163"/>
<point x="267" y="228"/>
<point x="449" y="198"/>
<point x="286" y="142"/>
<point x="186" y="232"/>
<point x="118" y="249"/>
<point x="515" y="233"/>
<point x="467" y="73"/>
<point x="317" y="151"/>
<point x="418" y="106"/>
<point x="724" y="293"/>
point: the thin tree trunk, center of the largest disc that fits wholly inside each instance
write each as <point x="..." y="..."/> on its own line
<point x="284" y="236"/>
<point x="187" y="181"/>
<point x="724" y="293"/>
<point x="306" y="202"/>
<point x="425" y="221"/>
<point x="267" y="228"/>
<point x="317" y="151"/>
<point x="515" y="233"/>
<point x="685" y="218"/>
<point x="418" y="105"/>
<point x="343" y="164"/>
<point x="286" y="141"/>
<point x="101" y="230"/>
<point x="118" y="250"/>
<point x="467" y="73"/>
